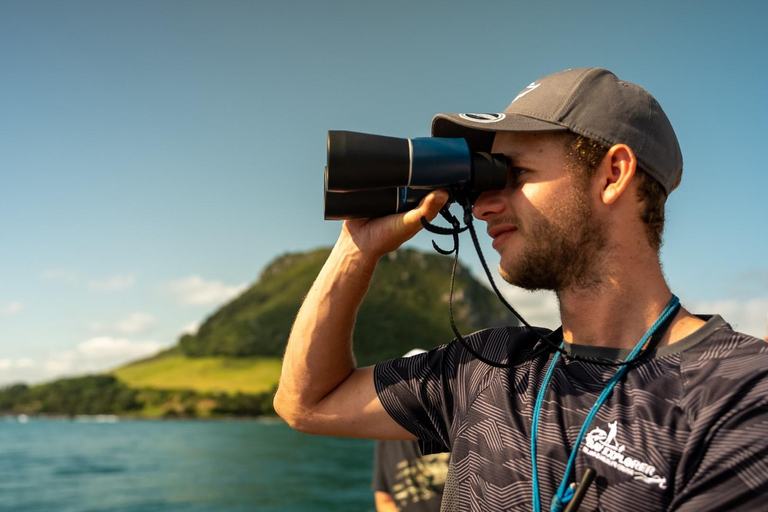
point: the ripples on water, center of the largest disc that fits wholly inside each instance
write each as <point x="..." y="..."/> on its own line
<point x="196" y="466"/>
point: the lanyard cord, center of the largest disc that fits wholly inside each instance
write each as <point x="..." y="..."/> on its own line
<point x="563" y="496"/>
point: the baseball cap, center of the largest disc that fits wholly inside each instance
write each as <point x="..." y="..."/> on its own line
<point x="592" y="102"/>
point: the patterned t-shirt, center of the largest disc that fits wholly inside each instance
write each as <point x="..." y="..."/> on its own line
<point x="686" y="429"/>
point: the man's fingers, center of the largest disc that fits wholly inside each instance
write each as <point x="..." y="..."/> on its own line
<point x="429" y="207"/>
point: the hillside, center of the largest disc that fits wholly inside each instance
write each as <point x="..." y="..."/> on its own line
<point x="409" y="289"/>
<point x="203" y="374"/>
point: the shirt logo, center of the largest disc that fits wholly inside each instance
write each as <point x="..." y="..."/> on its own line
<point x="528" y="89"/>
<point x="605" y="447"/>
<point x="483" y="118"/>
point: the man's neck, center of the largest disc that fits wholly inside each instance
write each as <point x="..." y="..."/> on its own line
<point x="620" y="310"/>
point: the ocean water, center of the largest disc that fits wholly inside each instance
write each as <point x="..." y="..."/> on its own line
<point x="195" y="466"/>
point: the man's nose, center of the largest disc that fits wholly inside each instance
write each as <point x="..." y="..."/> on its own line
<point x="488" y="205"/>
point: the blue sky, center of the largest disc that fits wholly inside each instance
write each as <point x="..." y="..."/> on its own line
<point x="155" y="156"/>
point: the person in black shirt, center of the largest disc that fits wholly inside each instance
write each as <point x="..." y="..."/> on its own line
<point x="670" y="409"/>
<point x="404" y="480"/>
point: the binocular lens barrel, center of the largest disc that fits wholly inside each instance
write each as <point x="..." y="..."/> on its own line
<point x="358" y="161"/>
<point x="373" y="175"/>
<point x="366" y="204"/>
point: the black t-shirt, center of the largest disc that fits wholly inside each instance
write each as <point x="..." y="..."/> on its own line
<point x="686" y="429"/>
<point x="415" y="482"/>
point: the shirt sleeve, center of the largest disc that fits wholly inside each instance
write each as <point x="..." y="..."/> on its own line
<point x="725" y="464"/>
<point x="416" y="394"/>
<point x="733" y="471"/>
<point x="429" y="393"/>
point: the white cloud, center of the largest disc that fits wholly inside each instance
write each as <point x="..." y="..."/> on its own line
<point x="136" y="323"/>
<point x="97" y="354"/>
<point x="60" y="276"/>
<point x="108" y="348"/>
<point x="190" y="328"/>
<point x="196" y="291"/>
<point x="112" y="284"/>
<point x="13" y="308"/>
<point x="16" y="370"/>
<point x="539" y="309"/>
<point x="749" y="316"/>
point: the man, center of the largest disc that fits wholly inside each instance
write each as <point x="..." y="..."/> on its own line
<point x="683" y="428"/>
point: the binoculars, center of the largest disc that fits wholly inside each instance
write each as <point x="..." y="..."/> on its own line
<point x="373" y="176"/>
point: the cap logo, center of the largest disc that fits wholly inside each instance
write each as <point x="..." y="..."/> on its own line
<point x="528" y="89"/>
<point x="483" y="118"/>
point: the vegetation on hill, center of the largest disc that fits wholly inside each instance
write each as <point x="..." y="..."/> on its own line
<point x="92" y="394"/>
<point x="406" y="307"/>
<point x="106" y="394"/>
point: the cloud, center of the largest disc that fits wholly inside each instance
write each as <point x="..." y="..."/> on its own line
<point x="97" y="354"/>
<point x="12" y="308"/>
<point x="112" y="284"/>
<point x="196" y="291"/>
<point x="16" y="370"/>
<point x="749" y="316"/>
<point x="108" y="348"/>
<point x="191" y="328"/>
<point x="136" y="323"/>
<point x="60" y="276"/>
<point x="539" y="308"/>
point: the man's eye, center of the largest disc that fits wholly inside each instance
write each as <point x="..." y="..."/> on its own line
<point x="514" y="175"/>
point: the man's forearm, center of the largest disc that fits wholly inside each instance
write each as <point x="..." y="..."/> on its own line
<point x="319" y="353"/>
<point x="321" y="391"/>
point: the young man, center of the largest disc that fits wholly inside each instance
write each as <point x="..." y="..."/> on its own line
<point x="682" y="428"/>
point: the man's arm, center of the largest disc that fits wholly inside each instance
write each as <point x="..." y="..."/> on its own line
<point x="321" y="391"/>
<point x="384" y="502"/>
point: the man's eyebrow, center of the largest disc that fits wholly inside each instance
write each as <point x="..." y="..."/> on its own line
<point x="515" y="160"/>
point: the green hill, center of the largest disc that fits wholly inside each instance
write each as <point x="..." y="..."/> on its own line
<point x="406" y="307"/>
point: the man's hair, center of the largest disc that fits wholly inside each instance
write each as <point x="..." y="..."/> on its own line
<point x="587" y="154"/>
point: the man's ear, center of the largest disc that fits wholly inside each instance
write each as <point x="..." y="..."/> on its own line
<point x="616" y="171"/>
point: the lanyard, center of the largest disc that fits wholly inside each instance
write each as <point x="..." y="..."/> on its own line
<point x="564" y="492"/>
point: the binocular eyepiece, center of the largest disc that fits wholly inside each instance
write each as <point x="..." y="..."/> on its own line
<point x="373" y="175"/>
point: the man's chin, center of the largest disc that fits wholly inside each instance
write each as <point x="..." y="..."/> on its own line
<point x="521" y="280"/>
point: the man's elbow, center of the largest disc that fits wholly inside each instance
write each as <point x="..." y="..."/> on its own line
<point x="294" y="414"/>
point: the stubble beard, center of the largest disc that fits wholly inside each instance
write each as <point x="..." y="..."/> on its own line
<point x="562" y="249"/>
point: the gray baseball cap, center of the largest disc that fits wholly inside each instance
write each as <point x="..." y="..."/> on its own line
<point x="592" y="102"/>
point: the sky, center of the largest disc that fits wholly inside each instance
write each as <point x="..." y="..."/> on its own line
<point x="156" y="155"/>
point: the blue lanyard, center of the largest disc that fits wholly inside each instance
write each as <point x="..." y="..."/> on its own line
<point x="564" y="492"/>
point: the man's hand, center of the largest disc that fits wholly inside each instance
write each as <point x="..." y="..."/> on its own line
<point x="377" y="237"/>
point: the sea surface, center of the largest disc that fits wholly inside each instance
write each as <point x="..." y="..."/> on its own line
<point x="51" y="465"/>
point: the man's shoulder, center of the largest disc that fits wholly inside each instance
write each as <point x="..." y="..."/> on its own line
<point x="504" y="344"/>
<point x="717" y="342"/>
<point x="725" y="370"/>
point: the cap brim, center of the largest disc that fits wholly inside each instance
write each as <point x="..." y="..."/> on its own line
<point x="479" y="134"/>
